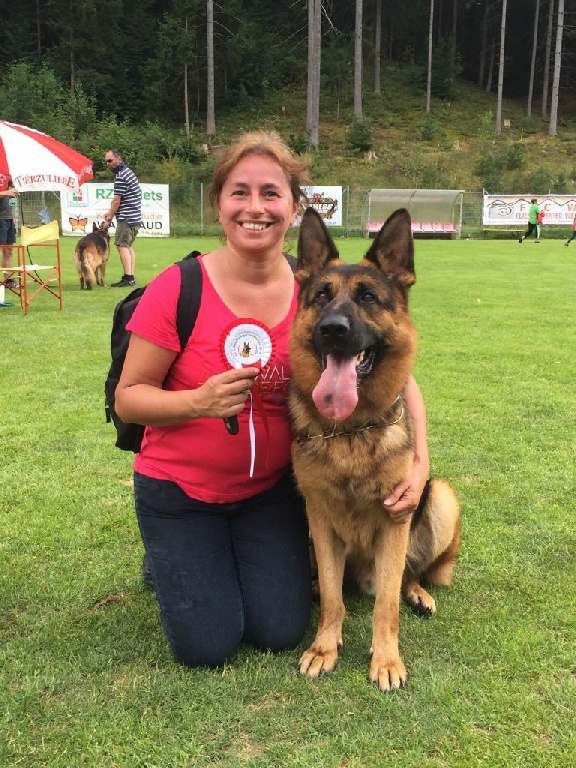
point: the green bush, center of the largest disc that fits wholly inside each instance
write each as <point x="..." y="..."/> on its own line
<point x="360" y="138"/>
<point x="487" y="125"/>
<point x="514" y="157"/>
<point x="443" y="74"/>
<point x="540" y="182"/>
<point x="560" y="187"/>
<point x="35" y="97"/>
<point x="429" y="129"/>
<point x="491" y="170"/>
<point x="298" y="143"/>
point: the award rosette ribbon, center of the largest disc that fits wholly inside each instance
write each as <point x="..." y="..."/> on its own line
<point x="247" y="343"/>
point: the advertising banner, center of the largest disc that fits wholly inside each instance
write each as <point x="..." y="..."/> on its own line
<point x="510" y="210"/>
<point x="88" y="204"/>
<point x="327" y="201"/>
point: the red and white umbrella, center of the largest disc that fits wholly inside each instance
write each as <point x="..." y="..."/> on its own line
<point x="38" y="163"/>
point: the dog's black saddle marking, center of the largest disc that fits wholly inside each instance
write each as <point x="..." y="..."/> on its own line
<point x="419" y="511"/>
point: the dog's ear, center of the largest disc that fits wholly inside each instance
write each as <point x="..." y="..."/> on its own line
<point x="95" y="227"/>
<point x="315" y="245"/>
<point x="393" y="248"/>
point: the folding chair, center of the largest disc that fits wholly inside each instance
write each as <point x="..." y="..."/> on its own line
<point x="30" y="282"/>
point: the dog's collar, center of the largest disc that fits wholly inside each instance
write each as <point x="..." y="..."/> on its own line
<point x="302" y="438"/>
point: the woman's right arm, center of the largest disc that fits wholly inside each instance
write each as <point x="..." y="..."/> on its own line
<point x="140" y="399"/>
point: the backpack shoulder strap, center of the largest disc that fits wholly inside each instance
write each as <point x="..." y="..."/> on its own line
<point x="191" y="294"/>
<point x="189" y="298"/>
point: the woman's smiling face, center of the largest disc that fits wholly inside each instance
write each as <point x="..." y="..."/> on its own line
<point x="256" y="204"/>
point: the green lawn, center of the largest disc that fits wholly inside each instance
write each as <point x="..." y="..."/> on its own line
<point x="86" y="676"/>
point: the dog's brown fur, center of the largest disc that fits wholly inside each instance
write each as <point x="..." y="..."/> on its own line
<point x="347" y="465"/>
<point x="90" y="256"/>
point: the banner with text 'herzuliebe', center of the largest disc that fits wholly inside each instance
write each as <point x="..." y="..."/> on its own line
<point x="510" y="210"/>
<point x="88" y="205"/>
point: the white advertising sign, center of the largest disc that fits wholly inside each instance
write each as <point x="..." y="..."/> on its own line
<point x="88" y="204"/>
<point x="508" y="210"/>
<point x="327" y="201"/>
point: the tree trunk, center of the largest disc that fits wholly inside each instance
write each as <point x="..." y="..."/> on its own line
<point x="38" y="29"/>
<point x="186" y="102"/>
<point x="483" y="47"/>
<point x="533" y="59"/>
<point x="210" y="111"/>
<point x="501" y="66"/>
<point x="552" y="130"/>
<point x="358" y="63"/>
<point x="546" y="78"/>
<point x="72" y="72"/>
<point x="314" y="61"/>
<point x="490" y="76"/>
<point x="453" y="39"/>
<point x="378" y="47"/>
<point x="186" y="105"/>
<point x="429" y="81"/>
<point x="71" y="48"/>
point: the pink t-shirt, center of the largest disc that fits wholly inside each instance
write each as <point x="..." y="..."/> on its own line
<point x="199" y="455"/>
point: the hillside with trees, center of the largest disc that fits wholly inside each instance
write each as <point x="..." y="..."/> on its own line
<point x="469" y="94"/>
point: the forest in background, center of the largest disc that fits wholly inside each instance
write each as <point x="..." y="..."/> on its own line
<point x="133" y="74"/>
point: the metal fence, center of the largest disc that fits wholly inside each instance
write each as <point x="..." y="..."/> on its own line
<point x="191" y="214"/>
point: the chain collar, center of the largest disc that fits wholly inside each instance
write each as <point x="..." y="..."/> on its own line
<point x="350" y="432"/>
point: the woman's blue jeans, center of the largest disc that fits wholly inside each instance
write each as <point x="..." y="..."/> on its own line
<point x="226" y="573"/>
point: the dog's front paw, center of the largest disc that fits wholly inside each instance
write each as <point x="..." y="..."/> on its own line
<point x="388" y="676"/>
<point x="318" y="661"/>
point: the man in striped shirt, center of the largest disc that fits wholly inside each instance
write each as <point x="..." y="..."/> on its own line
<point x="127" y="207"/>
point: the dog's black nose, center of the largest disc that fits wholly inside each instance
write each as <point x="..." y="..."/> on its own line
<point x="334" y="327"/>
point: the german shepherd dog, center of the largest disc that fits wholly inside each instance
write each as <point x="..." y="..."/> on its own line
<point x="90" y="257"/>
<point x="352" y="349"/>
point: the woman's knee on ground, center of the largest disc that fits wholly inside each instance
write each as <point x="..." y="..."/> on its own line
<point x="200" y="650"/>
<point x="281" y="631"/>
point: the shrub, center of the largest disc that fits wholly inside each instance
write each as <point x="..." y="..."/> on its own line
<point x="540" y="182"/>
<point x="560" y="187"/>
<point x="514" y="157"/>
<point x="491" y="171"/>
<point x="360" y="138"/>
<point x="487" y="126"/>
<point x="298" y="143"/>
<point x="443" y="75"/>
<point x="429" y="129"/>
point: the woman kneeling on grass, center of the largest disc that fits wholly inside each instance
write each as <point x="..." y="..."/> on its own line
<point x="222" y="523"/>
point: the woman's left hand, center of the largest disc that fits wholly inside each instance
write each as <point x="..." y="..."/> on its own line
<point x="403" y="500"/>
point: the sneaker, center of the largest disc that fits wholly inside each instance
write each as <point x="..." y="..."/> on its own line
<point x="520" y="240"/>
<point x="536" y="241"/>
<point x="13" y="284"/>
<point x="566" y="244"/>
<point x="124" y="283"/>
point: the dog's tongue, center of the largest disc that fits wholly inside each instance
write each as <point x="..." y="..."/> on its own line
<point x="335" y="395"/>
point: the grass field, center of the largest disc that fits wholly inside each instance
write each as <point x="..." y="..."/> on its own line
<point x="86" y="676"/>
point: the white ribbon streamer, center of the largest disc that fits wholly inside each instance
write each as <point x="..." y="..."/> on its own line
<point x="252" y="433"/>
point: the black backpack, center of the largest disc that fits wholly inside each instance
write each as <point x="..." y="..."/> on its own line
<point x="129" y="436"/>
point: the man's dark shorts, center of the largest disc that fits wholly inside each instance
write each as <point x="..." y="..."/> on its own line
<point x="125" y="234"/>
<point x="7" y="232"/>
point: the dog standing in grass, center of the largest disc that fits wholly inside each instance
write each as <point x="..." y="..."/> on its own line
<point x="90" y="256"/>
<point x="352" y="349"/>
